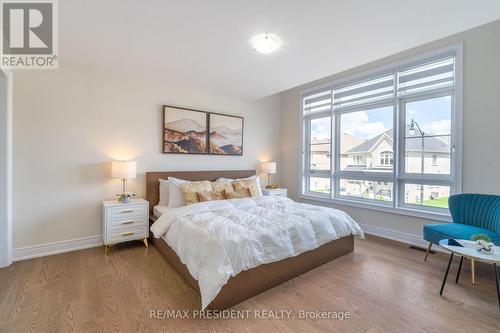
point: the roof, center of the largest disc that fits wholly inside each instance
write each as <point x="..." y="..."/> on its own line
<point x="431" y="144"/>
<point x="348" y="142"/>
<point x="369" y="144"/>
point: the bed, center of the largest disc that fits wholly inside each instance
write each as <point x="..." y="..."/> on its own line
<point x="253" y="281"/>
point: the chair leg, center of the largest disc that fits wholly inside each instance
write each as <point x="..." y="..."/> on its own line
<point x="428" y="251"/>
<point x="473" y="270"/>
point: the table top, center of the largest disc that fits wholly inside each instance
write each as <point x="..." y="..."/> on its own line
<point x="469" y="250"/>
<point x="133" y="201"/>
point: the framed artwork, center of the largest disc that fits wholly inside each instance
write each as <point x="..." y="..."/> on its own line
<point x="184" y="131"/>
<point x="225" y="134"/>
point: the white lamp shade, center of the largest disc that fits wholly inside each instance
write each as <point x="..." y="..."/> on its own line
<point x="124" y="169"/>
<point x="268" y="167"/>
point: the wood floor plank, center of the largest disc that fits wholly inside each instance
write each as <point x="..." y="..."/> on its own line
<point x="384" y="285"/>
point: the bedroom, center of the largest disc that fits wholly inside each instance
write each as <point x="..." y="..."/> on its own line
<point x="366" y="123"/>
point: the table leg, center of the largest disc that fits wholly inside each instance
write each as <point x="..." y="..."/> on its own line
<point x="459" y="269"/>
<point x="496" y="280"/>
<point x="473" y="270"/>
<point x="446" y="274"/>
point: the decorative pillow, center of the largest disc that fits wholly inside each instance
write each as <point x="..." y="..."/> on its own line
<point x="221" y="185"/>
<point x="190" y="190"/>
<point x="210" y="195"/>
<point x="164" y="188"/>
<point x="250" y="184"/>
<point x="175" y="196"/>
<point x="238" y="194"/>
<point x="257" y="180"/>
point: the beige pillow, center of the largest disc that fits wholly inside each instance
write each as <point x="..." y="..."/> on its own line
<point x="242" y="193"/>
<point x="250" y="184"/>
<point x="219" y="186"/>
<point x="210" y="195"/>
<point x="190" y="190"/>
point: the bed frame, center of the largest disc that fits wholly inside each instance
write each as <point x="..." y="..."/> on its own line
<point x="251" y="282"/>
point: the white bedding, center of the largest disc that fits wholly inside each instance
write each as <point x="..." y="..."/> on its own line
<point x="219" y="239"/>
<point x="159" y="210"/>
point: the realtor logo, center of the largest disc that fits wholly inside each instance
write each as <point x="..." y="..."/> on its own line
<point x="29" y="34"/>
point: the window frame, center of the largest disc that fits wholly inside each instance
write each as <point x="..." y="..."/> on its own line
<point x="397" y="177"/>
<point x="388" y="156"/>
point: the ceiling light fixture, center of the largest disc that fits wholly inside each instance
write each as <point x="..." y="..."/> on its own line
<point x="266" y="43"/>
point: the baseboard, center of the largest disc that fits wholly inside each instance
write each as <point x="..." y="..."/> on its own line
<point x="42" y="250"/>
<point x="399" y="236"/>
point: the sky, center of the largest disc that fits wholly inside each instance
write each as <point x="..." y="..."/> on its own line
<point x="432" y="115"/>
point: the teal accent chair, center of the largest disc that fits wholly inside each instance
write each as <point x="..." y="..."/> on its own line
<point x="472" y="214"/>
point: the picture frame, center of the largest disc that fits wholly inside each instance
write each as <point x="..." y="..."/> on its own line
<point x="185" y="131"/>
<point x="225" y="134"/>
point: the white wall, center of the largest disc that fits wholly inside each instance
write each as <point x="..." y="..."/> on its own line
<point x="481" y="132"/>
<point x="5" y="168"/>
<point x="71" y="122"/>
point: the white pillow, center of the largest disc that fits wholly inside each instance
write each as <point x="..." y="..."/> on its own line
<point x="175" y="195"/>
<point x="257" y="180"/>
<point x="164" y="185"/>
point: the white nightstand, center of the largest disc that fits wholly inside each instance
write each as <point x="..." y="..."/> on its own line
<point x="124" y="222"/>
<point x="277" y="192"/>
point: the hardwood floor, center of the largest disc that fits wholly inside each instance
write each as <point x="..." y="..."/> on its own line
<point x="385" y="286"/>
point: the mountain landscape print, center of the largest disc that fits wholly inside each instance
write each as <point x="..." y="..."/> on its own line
<point x="184" y="131"/>
<point x="225" y="135"/>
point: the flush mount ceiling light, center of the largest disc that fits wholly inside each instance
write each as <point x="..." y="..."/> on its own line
<point x="266" y="43"/>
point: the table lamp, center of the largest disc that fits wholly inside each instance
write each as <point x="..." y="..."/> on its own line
<point x="269" y="168"/>
<point x="124" y="170"/>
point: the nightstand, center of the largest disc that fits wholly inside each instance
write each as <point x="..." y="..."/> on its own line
<point x="277" y="192"/>
<point x="124" y="222"/>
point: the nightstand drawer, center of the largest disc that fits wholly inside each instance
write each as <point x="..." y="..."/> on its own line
<point x="125" y="211"/>
<point x="117" y="236"/>
<point x="128" y="221"/>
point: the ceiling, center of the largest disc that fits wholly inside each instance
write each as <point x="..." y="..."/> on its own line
<point x="204" y="44"/>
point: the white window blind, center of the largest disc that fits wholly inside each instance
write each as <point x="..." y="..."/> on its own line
<point x="318" y="101"/>
<point x="432" y="75"/>
<point x="366" y="91"/>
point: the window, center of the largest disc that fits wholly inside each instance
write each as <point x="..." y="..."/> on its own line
<point x="357" y="159"/>
<point x="388" y="138"/>
<point x="361" y="128"/>
<point x="364" y="189"/>
<point x="387" y="158"/>
<point x="319" y="185"/>
<point x="320" y="135"/>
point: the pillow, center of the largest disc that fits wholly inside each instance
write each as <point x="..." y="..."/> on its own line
<point x="175" y="196"/>
<point x="238" y="194"/>
<point x="210" y="195"/>
<point x="249" y="183"/>
<point x="190" y="190"/>
<point x="257" y="180"/>
<point x="164" y="192"/>
<point x="221" y="185"/>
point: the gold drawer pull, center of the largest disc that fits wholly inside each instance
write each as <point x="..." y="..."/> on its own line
<point x="127" y="233"/>
<point x="127" y="222"/>
<point x="127" y="211"/>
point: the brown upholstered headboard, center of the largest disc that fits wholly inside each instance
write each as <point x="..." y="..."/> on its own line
<point x="153" y="183"/>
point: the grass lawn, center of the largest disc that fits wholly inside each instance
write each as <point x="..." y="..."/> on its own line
<point x="319" y="190"/>
<point x="441" y="202"/>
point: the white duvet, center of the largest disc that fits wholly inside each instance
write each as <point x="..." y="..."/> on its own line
<point x="219" y="239"/>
